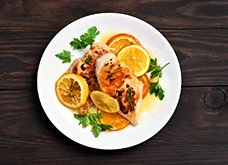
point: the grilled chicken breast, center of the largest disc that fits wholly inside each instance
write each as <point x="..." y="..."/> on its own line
<point x="85" y="66"/>
<point x="117" y="80"/>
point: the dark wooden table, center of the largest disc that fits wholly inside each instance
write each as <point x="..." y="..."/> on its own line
<point x="197" y="132"/>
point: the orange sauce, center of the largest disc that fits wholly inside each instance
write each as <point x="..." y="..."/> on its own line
<point x="147" y="104"/>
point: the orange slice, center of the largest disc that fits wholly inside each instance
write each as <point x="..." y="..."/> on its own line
<point x="117" y="121"/>
<point x="119" y="41"/>
<point x="136" y="57"/>
<point x="146" y="84"/>
<point x="72" y="90"/>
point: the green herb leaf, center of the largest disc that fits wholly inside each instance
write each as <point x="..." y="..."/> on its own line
<point x="129" y="98"/>
<point x="156" y="89"/>
<point x="77" y="116"/>
<point x="85" y="121"/>
<point x="156" y="73"/>
<point x="156" y="70"/>
<point x="65" y="56"/>
<point x="105" y="127"/>
<point x="92" y="119"/>
<point x="85" y="39"/>
<point x="153" y="64"/>
<point x="96" y="129"/>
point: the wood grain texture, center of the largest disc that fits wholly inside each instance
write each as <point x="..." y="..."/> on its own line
<point x="45" y="15"/>
<point x="203" y="56"/>
<point x="193" y="133"/>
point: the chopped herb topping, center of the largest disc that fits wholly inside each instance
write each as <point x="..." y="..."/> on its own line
<point x="130" y="94"/>
<point x="88" y="59"/>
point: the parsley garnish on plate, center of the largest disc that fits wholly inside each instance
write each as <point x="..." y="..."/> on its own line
<point x="155" y="68"/>
<point x="157" y="90"/>
<point x="156" y="71"/>
<point x="85" y="39"/>
<point x="65" y="56"/>
<point x="92" y="119"/>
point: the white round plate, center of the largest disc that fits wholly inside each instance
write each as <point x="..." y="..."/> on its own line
<point x="153" y="120"/>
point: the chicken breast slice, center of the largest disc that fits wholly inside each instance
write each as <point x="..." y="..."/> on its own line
<point x="85" y="66"/>
<point x="117" y="80"/>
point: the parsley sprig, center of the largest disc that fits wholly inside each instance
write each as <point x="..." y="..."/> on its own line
<point x="156" y="71"/>
<point x="65" y="56"/>
<point x="155" y="68"/>
<point x="92" y="119"/>
<point x="85" y="39"/>
<point x="156" y="89"/>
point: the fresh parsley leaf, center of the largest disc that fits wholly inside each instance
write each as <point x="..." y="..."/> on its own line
<point x="65" y="56"/>
<point x="92" y="119"/>
<point x="155" y="68"/>
<point x="85" y="121"/>
<point x="78" y="116"/>
<point x="76" y="43"/>
<point x="96" y="129"/>
<point x="156" y="71"/>
<point x="156" y="89"/>
<point x="105" y="127"/>
<point x="153" y="64"/>
<point x="85" y="39"/>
